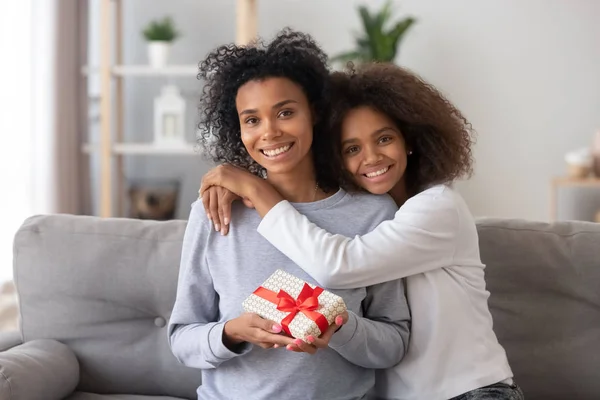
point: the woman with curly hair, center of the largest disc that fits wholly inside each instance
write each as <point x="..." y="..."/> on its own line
<point x="393" y="133"/>
<point x="265" y="107"/>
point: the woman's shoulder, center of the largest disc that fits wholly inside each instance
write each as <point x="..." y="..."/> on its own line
<point x="198" y="214"/>
<point x="370" y="198"/>
<point x="366" y="201"/>
<point x="242" y="217"/>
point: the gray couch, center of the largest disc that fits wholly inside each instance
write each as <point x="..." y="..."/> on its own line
<point x="95" y="296"/>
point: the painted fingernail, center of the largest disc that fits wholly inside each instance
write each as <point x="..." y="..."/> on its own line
<point x="275" y="346"/>
<point x="209" y="217"/>
<point x="298" y="342"/>
<point x="276" y="328"/>
<point x="311" y="338"/>
<point x="339" y="320"/>
<point x="226" y="221"/>
<point x="217" y="227"/>
<point x="289" y="347"/>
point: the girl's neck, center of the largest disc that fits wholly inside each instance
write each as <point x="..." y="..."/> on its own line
<point x="299" y="185"/>
<point x="399" y="192"/>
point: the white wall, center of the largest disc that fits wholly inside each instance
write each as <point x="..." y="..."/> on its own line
<point x="526" y="73"/>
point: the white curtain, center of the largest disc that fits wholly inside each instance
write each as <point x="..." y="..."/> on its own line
<point x="16" y="140"/>
<point x="43" y="114"/>
<point x="60" y="106"/>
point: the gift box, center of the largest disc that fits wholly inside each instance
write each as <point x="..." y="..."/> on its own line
<point x="302" y="309"/>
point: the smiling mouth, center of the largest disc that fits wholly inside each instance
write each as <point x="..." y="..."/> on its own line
<point x="272" y="153"/>
<point x="377" y="173"/>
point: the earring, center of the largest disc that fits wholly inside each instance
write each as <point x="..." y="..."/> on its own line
<point x="409" y="153"/>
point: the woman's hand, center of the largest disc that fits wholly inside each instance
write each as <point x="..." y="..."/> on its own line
<point x="217" y="204"/>
<point x="250" y="327"/>
<point x="322" y="342"/>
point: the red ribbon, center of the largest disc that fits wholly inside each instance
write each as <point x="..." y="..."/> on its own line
<point x="306" y="303"/>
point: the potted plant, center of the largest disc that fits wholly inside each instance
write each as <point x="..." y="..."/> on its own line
<point x="160" y="34"/>
<point x="380" y="39"/>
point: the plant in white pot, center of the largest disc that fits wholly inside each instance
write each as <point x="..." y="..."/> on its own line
<point x="381" y="37"/>
<point x="160" y="34"/>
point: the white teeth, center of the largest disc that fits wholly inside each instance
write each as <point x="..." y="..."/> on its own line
<point x="377" y="173"/>
<point x="275" y="152"/>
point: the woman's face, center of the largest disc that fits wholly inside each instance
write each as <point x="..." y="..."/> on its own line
<point x="276" y="123"/>
<point x="373" y="150"/>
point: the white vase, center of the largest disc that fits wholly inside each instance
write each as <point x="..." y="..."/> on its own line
<point x="579" y="163"/>
<point x="158" y="53"/>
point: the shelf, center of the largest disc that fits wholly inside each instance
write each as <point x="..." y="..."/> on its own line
<point x="146" y="149"/>
<point x="110" y="72"/>
<point x="581" y="182"/>
<point x="190" y="70"/>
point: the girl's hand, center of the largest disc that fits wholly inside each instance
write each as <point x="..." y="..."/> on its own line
<point x="322" y="342"/>
<point x="217" y="204"/>
<point x="253" y="190"/>
<point x="234" y="179"/>
<point x="251" y="328"/>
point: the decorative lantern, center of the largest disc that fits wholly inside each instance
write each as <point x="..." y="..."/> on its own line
<point x="169" y="117"/>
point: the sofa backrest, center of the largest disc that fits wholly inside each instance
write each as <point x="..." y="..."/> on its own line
<point x="544" y="281"/>
<point x="105" y="287"/>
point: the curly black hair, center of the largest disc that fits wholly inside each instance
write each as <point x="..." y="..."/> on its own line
<point x="292" y="55"/>
<point x="439" y="136"/>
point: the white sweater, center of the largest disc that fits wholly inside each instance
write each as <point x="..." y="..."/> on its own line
<point x="432" y="241"/>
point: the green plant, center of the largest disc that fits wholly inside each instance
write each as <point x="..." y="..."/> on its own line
<point x="380" y="39"/>
<point x="161" y="30"/>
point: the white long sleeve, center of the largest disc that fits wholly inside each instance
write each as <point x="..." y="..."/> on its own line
<point x="432" y="242"/>
<point x="420" y="238"/>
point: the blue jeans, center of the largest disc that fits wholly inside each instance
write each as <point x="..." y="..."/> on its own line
<point x="497" y="391"/>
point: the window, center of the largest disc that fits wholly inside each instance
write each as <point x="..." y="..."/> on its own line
<point x="15" y="125"/>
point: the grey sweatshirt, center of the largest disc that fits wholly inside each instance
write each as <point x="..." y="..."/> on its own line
<point x="218" y="272"/>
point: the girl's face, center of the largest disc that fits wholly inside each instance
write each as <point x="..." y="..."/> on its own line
<point x="276" y="123"/>
<point x="373" y="150"/>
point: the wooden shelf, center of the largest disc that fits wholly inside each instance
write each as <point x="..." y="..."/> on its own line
<point x="145" y="149"/>
<point x="581" y="182"/>
<point x="112" y="148"/>
<point x="148" y="71"/>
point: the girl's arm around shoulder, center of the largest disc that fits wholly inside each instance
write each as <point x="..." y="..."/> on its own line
<point x="421" y="237"/>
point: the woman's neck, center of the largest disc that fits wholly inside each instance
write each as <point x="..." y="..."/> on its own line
<point x="299" y="185"/>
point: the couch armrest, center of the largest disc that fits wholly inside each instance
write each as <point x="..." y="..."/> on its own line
<point x="9" y="340"/>
<point x="40" y="369"/>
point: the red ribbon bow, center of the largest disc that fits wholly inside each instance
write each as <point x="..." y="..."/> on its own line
<point x="306" y="303"/>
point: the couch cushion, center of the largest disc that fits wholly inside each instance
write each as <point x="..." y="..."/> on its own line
<point x="93" y="396"/>
<point x="544" y="281"/>
<point x="39" y="369"/>
<point x="106" y="288"/>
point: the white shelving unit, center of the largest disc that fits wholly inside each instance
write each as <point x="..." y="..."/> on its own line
<point x="112" y="147"/>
